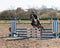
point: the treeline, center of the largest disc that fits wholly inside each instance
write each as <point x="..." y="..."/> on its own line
<point x="21" y="14"/>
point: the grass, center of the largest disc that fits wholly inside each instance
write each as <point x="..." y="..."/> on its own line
<point x="22" y="22"/>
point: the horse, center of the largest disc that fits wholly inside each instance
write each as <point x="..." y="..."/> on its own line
<point x="35" y="23"/>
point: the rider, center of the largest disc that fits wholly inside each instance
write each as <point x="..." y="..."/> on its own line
<point x="33" y="15"/>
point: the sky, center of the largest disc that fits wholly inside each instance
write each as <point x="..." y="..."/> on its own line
<point x="25" y="4"/>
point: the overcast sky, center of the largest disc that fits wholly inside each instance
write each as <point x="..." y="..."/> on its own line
<point x="13" y="4"/>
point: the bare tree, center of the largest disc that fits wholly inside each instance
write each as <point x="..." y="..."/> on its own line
<point x="52" y="14"/>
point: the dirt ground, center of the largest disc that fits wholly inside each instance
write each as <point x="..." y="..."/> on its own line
<point x="27" y="43"/>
